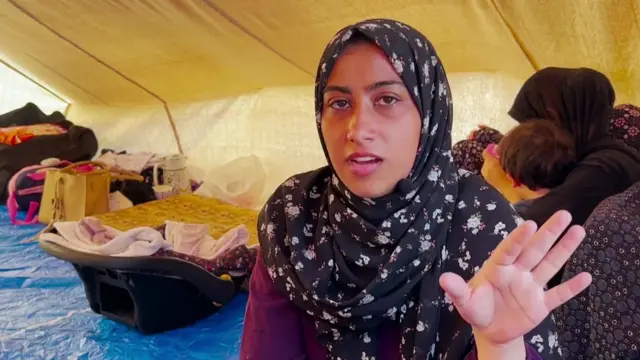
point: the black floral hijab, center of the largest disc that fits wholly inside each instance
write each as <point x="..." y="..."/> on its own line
<point x="353" y="263"/>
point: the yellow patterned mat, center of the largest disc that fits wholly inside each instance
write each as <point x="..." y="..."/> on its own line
<point x="186" y="208"/>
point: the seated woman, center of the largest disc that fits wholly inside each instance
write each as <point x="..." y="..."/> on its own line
<point x="625" y="124"/>
<point x="603" y="322"/>
<point x="537" y="156"/>
<point x="467" y="155"/>
<point x="486" y="135"/>
<point x="356" y="257"/>
<point x="580" y="101"/>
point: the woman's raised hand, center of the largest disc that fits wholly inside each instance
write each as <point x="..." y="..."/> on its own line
<point x="507" y="297"/>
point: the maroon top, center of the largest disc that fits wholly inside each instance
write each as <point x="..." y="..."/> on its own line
<point x="274" y="328"/>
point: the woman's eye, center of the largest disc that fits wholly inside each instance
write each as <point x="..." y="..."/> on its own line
<point x="339" y="104"/>
<point x="387" y="100"/>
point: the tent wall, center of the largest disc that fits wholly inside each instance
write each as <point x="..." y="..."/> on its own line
<point x="276" y="125"/>
<point x="17" y="90"/>
<point x="131" y="52"/>
<point x="236" y="76"/>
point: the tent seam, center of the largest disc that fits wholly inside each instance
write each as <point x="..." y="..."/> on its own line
<point x="262" y="42"/>
<point x="516" y="37"/>
<point x="635" y="15"/>
<point x="103" y="63"/>
<point x="65" y="78"/>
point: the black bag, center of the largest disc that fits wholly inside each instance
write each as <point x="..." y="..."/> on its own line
<point x="78" y="144"/>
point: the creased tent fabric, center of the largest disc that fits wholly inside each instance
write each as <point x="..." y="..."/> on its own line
<point x="185" y="51"/>
<point x="237" y="75"/>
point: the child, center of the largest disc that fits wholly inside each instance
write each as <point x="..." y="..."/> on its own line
<point x="536" y="156"/>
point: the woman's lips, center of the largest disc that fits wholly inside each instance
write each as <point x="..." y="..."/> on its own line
<point x="363" y="165"/>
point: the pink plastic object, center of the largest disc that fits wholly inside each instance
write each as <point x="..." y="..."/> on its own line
<point x="492" y="149"/>
<point x="12" y="204"/>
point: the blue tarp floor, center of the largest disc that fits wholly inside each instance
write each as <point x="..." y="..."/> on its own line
<point x="44" y="314"/>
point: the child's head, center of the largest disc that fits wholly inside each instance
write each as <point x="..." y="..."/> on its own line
<point x="537" y="154"/>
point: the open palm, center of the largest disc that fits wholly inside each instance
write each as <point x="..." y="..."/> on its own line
<point x="507" y="298"/>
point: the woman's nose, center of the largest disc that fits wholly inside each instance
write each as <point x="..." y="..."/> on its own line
<point x="360" y="125"/>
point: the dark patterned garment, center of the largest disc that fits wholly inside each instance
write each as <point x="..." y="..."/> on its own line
<point x="238" y="259"/>
<point x="237" y="262"/>
<point x="467" y="155"/>
<point x="603" y="322"/>
<point x="353" y="263"/>
<point x="625" y="124"/>
<point x="486" y="135"/>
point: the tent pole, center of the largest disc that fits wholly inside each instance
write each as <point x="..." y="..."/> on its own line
<point x="174" y="129"/>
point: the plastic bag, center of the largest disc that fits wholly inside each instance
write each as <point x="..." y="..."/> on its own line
<point x="239" y="182"/>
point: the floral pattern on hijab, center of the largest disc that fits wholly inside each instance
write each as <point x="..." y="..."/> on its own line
<point x="625" y="125"/>
<point x="467" y="155"/>
<point x="353" y="263"/>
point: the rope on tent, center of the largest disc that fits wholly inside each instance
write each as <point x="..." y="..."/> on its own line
<point x="516" y="37"/>
<point x="174" y="128"/>
<point x="255" y="37"/>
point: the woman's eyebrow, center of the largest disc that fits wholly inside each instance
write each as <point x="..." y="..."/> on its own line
<point x="368" y="88"/>
<point x="338" y="88"/>
<point x="383" y="83"/>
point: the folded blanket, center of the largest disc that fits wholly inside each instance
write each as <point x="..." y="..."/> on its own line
<point x="91" y="236"/>
<point x="194" y="239"/>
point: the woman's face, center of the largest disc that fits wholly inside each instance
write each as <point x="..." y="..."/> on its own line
<point x="370" y="124"/>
